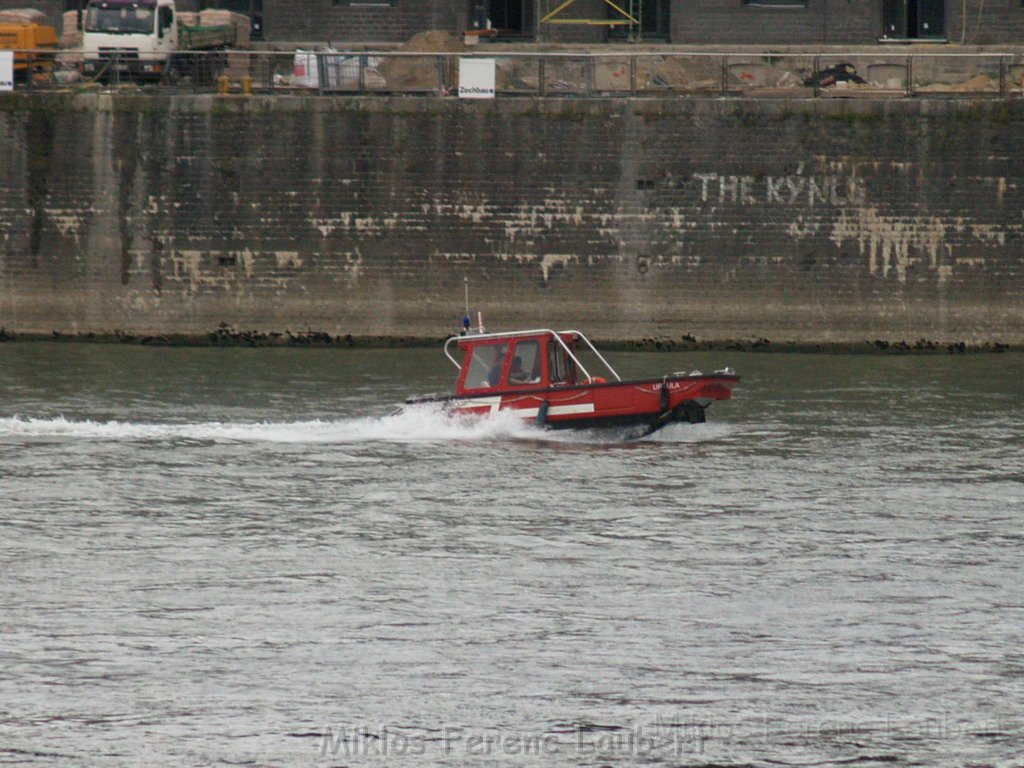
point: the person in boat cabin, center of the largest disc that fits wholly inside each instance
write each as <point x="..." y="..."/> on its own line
<point x="517" y="375"/>
<point x="494" y="375"/>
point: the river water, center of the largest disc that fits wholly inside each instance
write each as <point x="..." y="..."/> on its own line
<point x="239" y="557"/>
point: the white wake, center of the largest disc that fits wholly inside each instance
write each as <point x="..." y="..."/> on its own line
<point x="412" y="424"/>
<point x="409" y="425"/>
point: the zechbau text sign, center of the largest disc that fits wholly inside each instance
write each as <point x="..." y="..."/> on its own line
<point x="476" y="78"/>
<point x="6" y="70"/>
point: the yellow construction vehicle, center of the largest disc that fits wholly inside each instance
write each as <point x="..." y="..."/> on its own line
<point x="35" y="46"/>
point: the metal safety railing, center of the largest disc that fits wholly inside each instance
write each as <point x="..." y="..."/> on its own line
<point x="880" y="74"/>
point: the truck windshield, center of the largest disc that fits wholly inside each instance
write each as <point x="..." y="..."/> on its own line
<point x="120" y="18"/>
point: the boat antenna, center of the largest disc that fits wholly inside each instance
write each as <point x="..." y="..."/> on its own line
<point x="466" y="322"/>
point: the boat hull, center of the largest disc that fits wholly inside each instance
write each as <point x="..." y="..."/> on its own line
<point x="649" y="403"/>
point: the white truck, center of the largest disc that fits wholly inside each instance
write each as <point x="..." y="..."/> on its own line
<point x="144" y="40"/>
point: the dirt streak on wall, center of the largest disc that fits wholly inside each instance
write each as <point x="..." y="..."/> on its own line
<point x="792" y="220"/>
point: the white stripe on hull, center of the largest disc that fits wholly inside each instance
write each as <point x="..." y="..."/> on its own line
<point x="494" y="403"/>
<point x="555" y="410"/>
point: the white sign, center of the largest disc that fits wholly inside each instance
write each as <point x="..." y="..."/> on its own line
<point x="476" y="78"/>
<point x="6" y="70"/>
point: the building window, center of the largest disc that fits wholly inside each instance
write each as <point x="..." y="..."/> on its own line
<point x="776" y="3"/>
<point x="914" y="19"/>
<point x="366" y="3"/>
<point x="508" y="17"/>
<point x="653" y="16"/>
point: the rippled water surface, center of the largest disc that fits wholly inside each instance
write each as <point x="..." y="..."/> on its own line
<point x="239" y="557"/>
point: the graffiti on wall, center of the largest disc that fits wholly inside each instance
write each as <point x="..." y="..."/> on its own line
<point x="792" y="189"/>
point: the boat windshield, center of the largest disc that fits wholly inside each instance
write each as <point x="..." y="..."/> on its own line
<point x="120" y="18"/>
<point x="485" y="365"/>
<point x="525" y="365"/>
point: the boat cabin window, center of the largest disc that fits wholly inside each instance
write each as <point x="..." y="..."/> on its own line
<point x="486" y="363"/>
<point x="525" y="366"/>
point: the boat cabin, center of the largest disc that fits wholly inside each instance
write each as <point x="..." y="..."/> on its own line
<point x="523" y="360"/>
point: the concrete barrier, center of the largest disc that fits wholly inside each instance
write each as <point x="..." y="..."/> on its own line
<point x="797" y="221"/>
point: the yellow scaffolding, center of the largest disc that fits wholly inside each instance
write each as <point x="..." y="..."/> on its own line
<point x="622" y="18"/>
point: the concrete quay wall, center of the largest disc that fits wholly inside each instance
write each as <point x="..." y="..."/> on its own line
<point x="798" y="221"/>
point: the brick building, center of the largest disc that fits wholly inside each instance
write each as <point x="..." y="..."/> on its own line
<point x="756" y="22"/>
<point x="685" y="22"/>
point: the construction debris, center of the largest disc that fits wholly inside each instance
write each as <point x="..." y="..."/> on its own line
<point x="22" y="16"/>
<point x="416" y="73"/>
<point x="838" y="73"/>
<point x="70" y="34"/>
<point x="214" y="17"/>
<point x="976" y="84"/>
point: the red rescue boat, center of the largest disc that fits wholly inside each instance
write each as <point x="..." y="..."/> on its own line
<point x="539" y="374"/>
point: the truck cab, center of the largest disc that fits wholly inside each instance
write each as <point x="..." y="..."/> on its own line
<point x="129" y="38"/>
